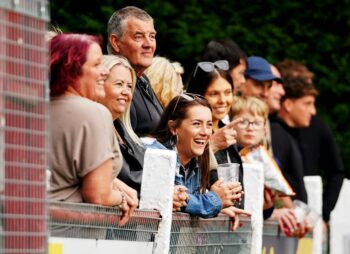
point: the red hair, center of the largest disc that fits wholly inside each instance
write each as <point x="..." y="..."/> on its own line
<point x="68" y="55"/>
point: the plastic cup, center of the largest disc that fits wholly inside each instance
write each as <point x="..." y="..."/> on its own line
<point x="301" y="210"/>
<point x="229" y="172"/>
<point x="312" y="218"/>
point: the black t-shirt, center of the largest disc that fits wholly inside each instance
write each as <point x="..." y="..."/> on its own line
<point x="289" y="158"/>
<point x="321" y="157"/>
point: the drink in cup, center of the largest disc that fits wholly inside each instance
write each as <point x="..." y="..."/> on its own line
<point x="229" y="172"/>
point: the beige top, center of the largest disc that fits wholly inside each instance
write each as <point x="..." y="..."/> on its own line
<point x="82" y="138"/>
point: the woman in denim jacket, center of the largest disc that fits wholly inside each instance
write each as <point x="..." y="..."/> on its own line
<point x="186" y="126"/>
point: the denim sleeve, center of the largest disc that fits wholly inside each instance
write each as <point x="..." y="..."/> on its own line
<point x="204" y="205"/>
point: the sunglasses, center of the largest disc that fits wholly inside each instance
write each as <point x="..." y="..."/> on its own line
<point x="187" y="97"/>
<point x="210" y="66"/>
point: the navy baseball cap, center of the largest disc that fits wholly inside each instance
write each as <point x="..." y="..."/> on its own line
<point x="259" y="69"/>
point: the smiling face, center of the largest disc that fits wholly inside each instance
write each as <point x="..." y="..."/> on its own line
<point x="275" y="93"/>
<point x="300" y="111"/>
<point x="252" y="134"/>
<point x="193" y="133"/>
<point x="259" y="89"/>
<point x="219" y="96"/>
<point x="118" y="88"/>
<point x="93" y="75"/>
<point x="138" y="43"/>
<point x="237" y="75"/>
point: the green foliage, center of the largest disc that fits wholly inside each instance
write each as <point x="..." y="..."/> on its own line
<point x="315" y="33"/>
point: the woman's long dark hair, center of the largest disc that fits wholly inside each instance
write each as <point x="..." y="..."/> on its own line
<point x="177" y="110"/>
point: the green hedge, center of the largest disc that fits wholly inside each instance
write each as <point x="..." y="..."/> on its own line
<point x="316" y="34"/>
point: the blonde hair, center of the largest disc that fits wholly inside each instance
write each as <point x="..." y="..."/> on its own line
<point x="109" y="61"/>
<point x="249" y="104"/>
<point x="55" y="30"/>
<point x="165" y="78"/>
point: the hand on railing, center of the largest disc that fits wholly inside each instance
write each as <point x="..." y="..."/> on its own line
<point x="180" y="197"/>
<point x="228" y="193"/>
<point x="234" y="213"/>
<point x="286" y="220"/>
<point x="131" y="199"/>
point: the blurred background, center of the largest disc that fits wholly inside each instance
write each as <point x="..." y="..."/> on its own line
<point x="313" y="33"/>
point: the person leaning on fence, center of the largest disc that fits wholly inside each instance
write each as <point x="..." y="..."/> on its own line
<point x="186" y="127"/>
<point x="85" y="156"/>
<point x="119" y="87"/>
<point x="165" y="78"/>
<point x="321" y="155"/>
<point x="297" y="109"/>
<point x="213" y="81"/>
<point x="253" y="115"/>
<point x="131" y="34"/>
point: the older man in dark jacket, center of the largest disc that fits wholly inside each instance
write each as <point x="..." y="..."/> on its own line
<point x="131" y="34"/>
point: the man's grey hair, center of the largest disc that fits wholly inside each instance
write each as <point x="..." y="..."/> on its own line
<point x="117" y="21"/>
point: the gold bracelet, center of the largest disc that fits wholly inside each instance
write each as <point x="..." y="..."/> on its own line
<point x="121" y="205"/>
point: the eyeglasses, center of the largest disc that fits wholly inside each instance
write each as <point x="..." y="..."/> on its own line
<point x="210" y="66"/>
<point x="187" y="97"/>
<point x="256" y="125"/>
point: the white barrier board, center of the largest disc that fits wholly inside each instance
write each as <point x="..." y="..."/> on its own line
<point x="253" y="201"/>
<point x="340" y="222"/>
<point x="59" y="245"/>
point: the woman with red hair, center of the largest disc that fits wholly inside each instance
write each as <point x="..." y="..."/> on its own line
<point x="85" y="156"/>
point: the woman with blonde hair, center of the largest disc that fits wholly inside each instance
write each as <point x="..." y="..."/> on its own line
<point x="119" y="87"/>
<point x="165" y="78"/>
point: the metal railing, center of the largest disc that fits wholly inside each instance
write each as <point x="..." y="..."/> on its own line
<point x="188" y="234"/>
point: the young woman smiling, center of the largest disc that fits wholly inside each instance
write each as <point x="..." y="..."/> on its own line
<point x="186" y="126"/>
<point x="119" y="87"/>
<point x="213" y="81"/>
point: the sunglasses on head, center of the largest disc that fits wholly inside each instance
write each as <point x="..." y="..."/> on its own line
<point x="210" y="66"/>
<point x="187" y="97"/>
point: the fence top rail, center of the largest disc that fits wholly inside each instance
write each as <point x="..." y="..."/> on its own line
<point x="85" y="215"/>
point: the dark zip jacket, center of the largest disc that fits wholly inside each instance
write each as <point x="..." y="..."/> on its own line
<point x="146" y="110"/>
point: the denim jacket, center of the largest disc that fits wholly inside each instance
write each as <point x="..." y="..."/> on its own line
<point x="204" y="205"/>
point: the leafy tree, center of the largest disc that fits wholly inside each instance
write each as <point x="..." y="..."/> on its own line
<point x="312" y="32"/>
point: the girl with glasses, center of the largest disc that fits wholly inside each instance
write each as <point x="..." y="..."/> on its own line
<point x="252" y="114"/>
<point x="251" y="131"/>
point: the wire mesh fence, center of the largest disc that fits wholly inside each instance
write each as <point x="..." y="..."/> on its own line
<point x="74" y="220"/>
<point x="23" y="126"/>
<point x="214" y="235"/>
<point x="188" y="234"/>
